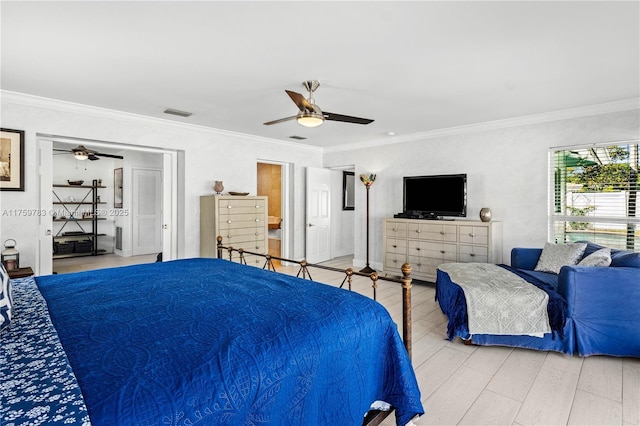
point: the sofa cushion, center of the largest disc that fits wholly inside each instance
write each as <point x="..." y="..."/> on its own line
<point x="555" y="256"/>
<point x="628" y="260"/>
<point x="601" y="257"/>
<point x="619" y="258"/>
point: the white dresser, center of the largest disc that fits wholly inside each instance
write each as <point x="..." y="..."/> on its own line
<point x="240" y="221"/>
<point x="425" y="244"/>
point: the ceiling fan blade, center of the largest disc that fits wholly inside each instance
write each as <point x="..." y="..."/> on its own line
<point x="268" y="123"/>
<point x="120" y="157"/>
<point x="300" y="101"/>
<point x="346" y="118"/>
<point x="93" y="157"/>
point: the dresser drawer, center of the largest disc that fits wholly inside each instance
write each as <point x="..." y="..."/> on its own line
<point x="474" y="235"/>
<point x="424" y="265"/>
<point x="396" y="229"/>
<point x="396" y="246"/>
<point x="394" y="261"/>
<point x="440" y="251"/>
<point x="473" y="254"/>
<point x="432" y="232"/>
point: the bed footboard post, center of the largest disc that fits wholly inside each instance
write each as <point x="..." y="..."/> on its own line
<point x="406" y="307"/>
<point x="219" y="246"/>
<point x="374" y="279"/>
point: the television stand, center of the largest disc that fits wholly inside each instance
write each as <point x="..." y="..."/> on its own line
<point x="425" y="244"/>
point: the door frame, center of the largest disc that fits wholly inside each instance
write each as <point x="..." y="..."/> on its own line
<point x="170" y="247"/>
<point x="286" y="176"/>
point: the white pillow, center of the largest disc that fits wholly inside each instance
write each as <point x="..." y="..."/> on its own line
<point x="555" y="256"/>
<point x="601" y="257"/>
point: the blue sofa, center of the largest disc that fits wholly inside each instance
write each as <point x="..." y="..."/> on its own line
<point x="603" y="306"/>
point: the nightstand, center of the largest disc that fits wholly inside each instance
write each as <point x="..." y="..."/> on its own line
<point x="20" y="272"/>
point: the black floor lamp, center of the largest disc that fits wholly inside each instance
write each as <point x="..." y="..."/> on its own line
<point x="367" y="179"/>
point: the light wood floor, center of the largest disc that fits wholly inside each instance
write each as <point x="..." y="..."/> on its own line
<point x="85" y="263"/>
<point x="468" y="385"/>
<point x="474" y="385"/>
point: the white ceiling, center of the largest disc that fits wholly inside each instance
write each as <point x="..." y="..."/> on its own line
<point x="412" y="66"/>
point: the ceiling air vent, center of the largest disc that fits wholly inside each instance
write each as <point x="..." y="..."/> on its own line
<point x="299" y="138"/>
<point x="177" y="112"/>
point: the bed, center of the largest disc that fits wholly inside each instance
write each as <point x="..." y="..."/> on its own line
<point x="198" y="341"/>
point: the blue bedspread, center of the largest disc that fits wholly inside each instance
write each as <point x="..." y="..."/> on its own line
<point x="208" y="341"/>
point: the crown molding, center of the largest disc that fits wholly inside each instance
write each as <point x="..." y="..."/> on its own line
<point x="98" y="112"/>
<point x="71" y="107"/>
<point x="565" y="114"/>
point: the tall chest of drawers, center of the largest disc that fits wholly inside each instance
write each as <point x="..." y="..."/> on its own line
<point x="240" y="221"/>
<point x="427" y="244"/>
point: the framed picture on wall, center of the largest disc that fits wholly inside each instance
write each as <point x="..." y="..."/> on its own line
<point x="117" y="188"/>
<point x="348" y="191"/>
<point x="11" y="160"/>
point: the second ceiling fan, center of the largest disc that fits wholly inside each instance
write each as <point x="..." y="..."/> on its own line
<point x="310" y="114"/>
<point x="82" y="153"/>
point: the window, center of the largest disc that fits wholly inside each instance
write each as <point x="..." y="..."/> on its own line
<point x="594" y="195"/>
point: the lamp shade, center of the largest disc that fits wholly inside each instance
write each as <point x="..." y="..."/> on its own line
<point x="368" y="179"/>
<point x="310" y="119"/>
<point x="10" y="256"/>
<point x="80" y="155"/>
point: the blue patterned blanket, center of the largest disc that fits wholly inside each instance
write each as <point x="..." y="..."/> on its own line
<point x="208" y="341"/>
<point x="37" y="385"/>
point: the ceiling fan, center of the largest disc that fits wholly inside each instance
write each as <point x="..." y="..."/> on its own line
<point x="82" y="153"/>
<point x="310" y="114"/>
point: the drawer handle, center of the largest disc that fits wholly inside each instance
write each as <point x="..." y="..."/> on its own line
<point x="418" y="231"/>
<point x="394" y="229"/>
<point x="257" y="207"/>
<point x="257" y="220"/>
<point x="229" y="236"/>
<point x="442" y="251"/>
<point x="257" y="234"/>
<point x="394" y="246"/>
<point x="472" y="235"/>
<point x="419" y="264"/>
<point x="417" y="248"/>
<point x="471" y="254"/>
<point x="441" y="232"/>
<point x="228" y="221"/>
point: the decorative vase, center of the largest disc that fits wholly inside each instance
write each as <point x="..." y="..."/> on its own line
<point x="485" y="214"/>
<point x="218" y="187"/>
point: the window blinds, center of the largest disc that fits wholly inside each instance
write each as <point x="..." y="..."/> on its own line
<point x="594" y="193"/>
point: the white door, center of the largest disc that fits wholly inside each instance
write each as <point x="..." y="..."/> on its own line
<point x="45" y="231"/>
<point x="146" y="211"/>
<point x="318" y="235"/>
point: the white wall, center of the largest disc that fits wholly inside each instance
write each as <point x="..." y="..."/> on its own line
<point x="507" y="171"/>
<point x="208" y="155"/>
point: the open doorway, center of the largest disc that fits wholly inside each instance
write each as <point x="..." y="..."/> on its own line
<point x="112" y="228"/>
<point x="270" y="185"/>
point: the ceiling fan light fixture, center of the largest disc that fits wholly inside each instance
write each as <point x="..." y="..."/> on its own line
<point x="81" y="155"/>
<point x="310" y="119"/>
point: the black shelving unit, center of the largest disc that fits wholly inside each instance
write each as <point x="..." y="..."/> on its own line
<point x="78" y="222"/>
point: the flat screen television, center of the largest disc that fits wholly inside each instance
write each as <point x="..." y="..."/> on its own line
<point x="431" y="197"/>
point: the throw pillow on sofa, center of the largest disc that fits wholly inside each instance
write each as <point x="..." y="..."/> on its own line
<point x="601" y="257"/>
<point x="555" y="256"/>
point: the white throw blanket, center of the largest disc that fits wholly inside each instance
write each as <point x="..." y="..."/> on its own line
<point x="499" y="301"/>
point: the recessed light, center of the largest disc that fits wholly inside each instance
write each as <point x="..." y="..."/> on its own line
<point x="177" y="112"/>
<point x="390" y="133"/>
